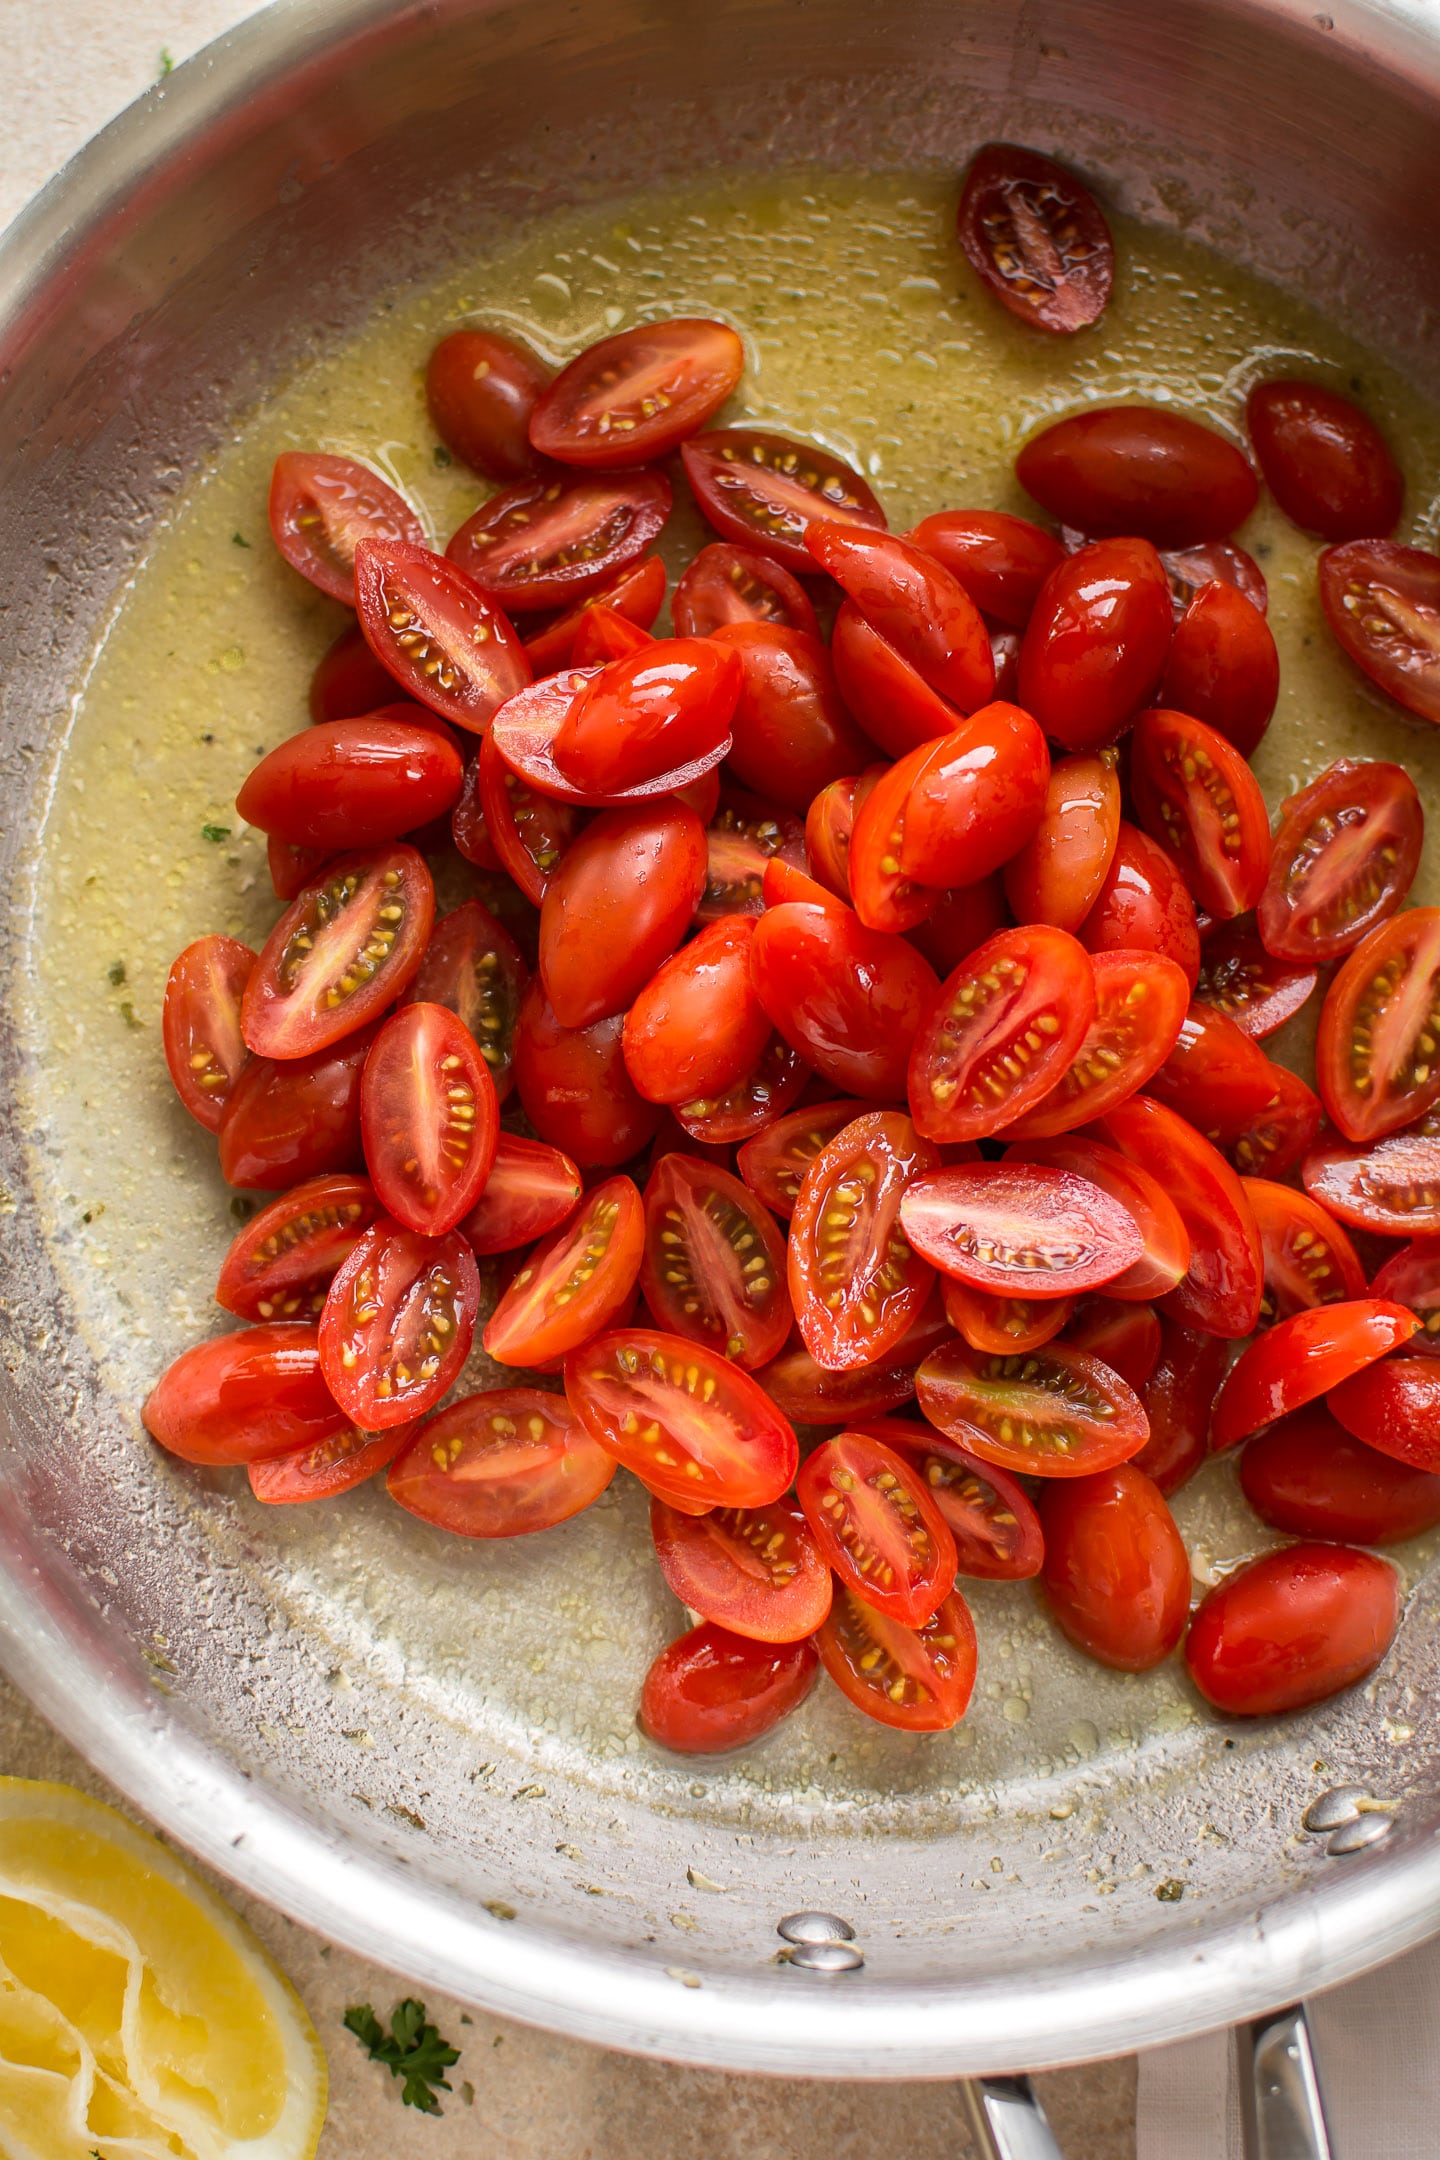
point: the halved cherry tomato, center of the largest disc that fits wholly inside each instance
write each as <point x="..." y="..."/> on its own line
<point x="1052" y="1412"/>
<point x="1221" y="1291"/>
<point x="1037" y="238"/>
<point x="725" y="584"/>
<point x="548" y="542"/>
<point x="1281" y="1134"/>
<point x="1302" y="1358"/>
<point x="342" y="951"/>
<point x="1116" y="1575"/>
<point x="1325" y="462"/>
<point x="475" y="969"/>
<point x="1190" y="570"/>
<point x="605" y="635"/>
<point x="809" y="1394"/>
<point x="525" y="733"/>
<point x="1144" y="905"/>
<point x="1223" y="667"/>
<point x="830" y="826"/>
<point x="1215" y="1076"/>
<point x="1001" y="561"/>
<point x="325" y="1468"/>
<point x="1005" y="1027"/>
<point x="969" y="800"/>
<point x="532" y="1188"/>
<point x="991" y="1518"/>
<point x="884" y="896"/>
<point x="322" y="507"/>
<point x="1293" y="1628"/>
<point x="526" y="831"/>
<point x="349" y="681"/>
<point x="1377" y="1049"/>
<point x="1308" y="1258"/>
<point x="1310" y="1478"/>
<point x="711" y="1690"/>
<point x="1344" y="857"/>
<point x="428" y="1118"/>
<point x="1166" y="1254"/>
<point x="636" y="396"/>
<point x="1020" y="1228"/>
<point x="281" y="1264"/>
<point x="353" y="783"/>
<point x="697" y="1027"/>
<point x="1095" y="645"/>
<point x="441" y="639"/>
<point x="847" y="999"/>
<point x="1126" y="1336"/>
<point x="1139" y="469"/>
<point x="1176" y="1400"/>
<point x="916" y="1679"/>
<point x="239" y="1397"/>
<point x="1241" y="979"/>
<point x="665" y="708"/>
<point x="741" y="841"/>
<point x="714" y="1263"/>
<point x="1055" y="875"/>
<point x="617" y="906"/>
<point x="200" y="1024"/>
<point x="875" y="1522"/>
<point x="481" y="387"/>
<point x="636" y="591"/>
<point x="1394" y="1406"/>
<point x="1383" y="604"/>
<point x="855" y="1283"/>
<point x="887" y="694"/>
<point x="915" y="604"/>
<point x="1195" y="794"/>
<point x="991" y="1321"/>
<point x="1392" y="1187"/>
<point x="773" y="1163"/>
<point x="782" y="883"/>
<point x="503" y="1464"/>
<point x="1140" y="1009"/>
<point x="398" y="1323"/>
<point x="695" y="1430"/>
<point x="963" y="918"/>
<point x="298" y="1118"/>
<point x="1412" y="1278"/>
<point x="756" y="1571"/>
<point x="777" y="1078"/>
<point x="575" y="1283"/>
<point x="764" y="490"/>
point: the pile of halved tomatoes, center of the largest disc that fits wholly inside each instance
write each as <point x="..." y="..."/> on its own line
<point x="849" y="1022"/>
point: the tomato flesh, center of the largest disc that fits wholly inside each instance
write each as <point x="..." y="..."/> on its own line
<point x="1139" y="469"/>
<point x="325" y="1468"/>
<point x="200" y="1025"/>
<point x="757" y="1571"/>
<point x="764" y="490"/>
<point x="742" y="840"/>
<point x="1140" y="1012"/>
<point x="1375" y="1050"/>
<point x="847" y="999"/>
<point x="1222" y="1288"/>
<point x="915" y="1679"/>
<point x="875" y="1522"/>
<point x="810" y="1394"/>
<point x="524" y="830"/>
<point x="1144" y="905"/>
<point x="637" y="395"/>
<point x="885" y="896"/>
<point x="239" y="1397"/>
<point x="559" y="538"/>
<point x="1302" y="1358"/>
<point x="1392" y="1188"/>
<point x="773" y="1082"/>
<point x="1177" y="1399"/>
<point x="575" y="1283"/>
<point x="531" y="1190"/>
<point x="710" y="1690"/>
<point x="667" y="707"/>
<point x="1293" y="1628"/>
<point x="342" y="951"/>
<point x="1003" y="1031"/>
<point x="502" y="1464"/>
<point x="322" y="508"/>
<point x="1394" y="1407"/>
<point x="714" y="1263"/>
<point x="1190" y="570"/>
<point x="636" y="591"/>
<point x="1382" y="603"/>
<point x="1241" y="979"/>
<point x="296" y="1119"/>
<point x="437" y="633"/>
<point x="1325" y="462"/>
<point x="1123" y="1334"/>
<point x="725" y="584"/>
<point x="1195" y="794"/>
<point x="693" y="1428"/>
<point x="1310" y="1478"/>
<point x="1020" y="1228"/>
<point x="1223" y="667"/>
<point x="991" y="1518"/>
<point x="855" y="1282"/>
<point x="281" y="1264"/>
<point x="1166" y="1253"/>
<point x="774" y="1162"/>
<point x="474" y="968"/>
<point x="1052" y="1412"/>
<point x="1036" y="238"/>
<point x="1308" y="1258"/>
<point x="428" y="1118"/>
<point x="1116" y="1575"/>
<point x="398" y="1323"/>
<point x="1412" y="1278"/>
<point x="989" y="1320"/>
<point x="1344" y="857"/>
<point x="1095" y="646"/>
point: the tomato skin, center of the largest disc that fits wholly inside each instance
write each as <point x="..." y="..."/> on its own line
<point x="239" y="1397"/>
<point x="280" y="1264"/>
<point x="1302" y="1358"/>
<point x="296" y="1119"/>
<point x="574" y="1087"/>
<point x="1036" y="238"/>
<point x="1293" y="1628"/>
<point x="888" y="695"/>
<point x="1116" y="1575"/>
<point x="809" y="1394"/>
<point x="575" y="1283"/>
<point x="1215" y="1076"/>
<point x="1126" y="1336"/>
<point x="1096" y="643"/>
<point x="1282" y="1133"/>
<point x="830" y="826"/>
<point x="763" y="490"/>
<point x="292" y="868"/>
<point x="666" y="707"/>
<point x="776" y="1080"/>
<point x="1197" y="797"/>
<point x="1056" y="874"/>
<point x="1241" y="979"/>
<point x="1310" y="1478"/>
<point x="791" y="733"/>
<point x="1176" y="1400"/>
<point x="1344" y="857"/>
<point x="874" y="1521"/>
<point x="963" y="918"/>
<point x="635" y="1390"/>
<point x="1144" y="905"/>
<point x="481" y="388"/>
<point x="724" y="586"/>
<point x="915" y="604"/>
<point x="1222" y="1288"/>
<point x="885" y="896"/>
<point x="1052" y="1412"/>
<point x="606" y="635"/>
<point x="505" y="1463"/>
<point x="711" y="1690"/>
<point x="1140" y="1009"/>
<point x="1166" y="1254"/>
<point x="1020" y="1228"/>
<point x="1139" y="469"/>
<point x="714" y="1263"/>
<point x="973" y="797"/>
<point x="526" y="730"/>
<point x="1034" y="982"/>
<point x="560" y="537"/>
<point x="200" y="1025"/>
<point x="1002" y="561"/>
<point x="1325" y="461"/>
<point x="1373" y="1069"/>
<point x="531" y="1190"/>
<point x="847" y="999"/>
<point x="304" y="994"/>
<point x="697" y="1027"/>
<point x="348" y="681"/>
<point x="636" y="591"/>
<point x="325" y="1468"/>
<point x="428" y="1118"/>
<point x="855" y="1284"/>
<point x="424" y="1292"/>
<point x="1223" y="667"/>
<point x="1308" y="1258"/>
<point x="634" y="397"/>
<point x="321" y="507"/>
<point x="1382" y="603"/>
<point x="617" y="906"/>
<point x="437" y="633"/>
<point x="991" y="1518"/>
<point x="756" y="1571"/>
<point x="1394" y="1406"/>
<point x="352" y="783"/>
<point x="989" y="1320"/>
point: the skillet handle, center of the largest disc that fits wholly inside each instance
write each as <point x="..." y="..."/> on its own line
<point x="1280" y="2102"/>
<point x="1009" y="2121"/>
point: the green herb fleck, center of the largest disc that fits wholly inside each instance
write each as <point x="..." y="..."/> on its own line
<point x="217" y="833"/>
<point x="1171" y="1892"/>
<point x="116" y="972"/>
<point x="239" y="540"/>
<point x="167" y="61"/>
<point x="127" y="1014"/>
<point x="414" y="2051"/>
<point x="442" y="455"/>
<point x="241" y="1207"/>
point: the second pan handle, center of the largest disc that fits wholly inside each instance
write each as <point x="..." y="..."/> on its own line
<point x="1280" y="2101"/>
<point x="1009" y="2121"/>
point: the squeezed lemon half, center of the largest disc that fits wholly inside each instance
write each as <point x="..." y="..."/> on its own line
<point x="139" y="2017"/>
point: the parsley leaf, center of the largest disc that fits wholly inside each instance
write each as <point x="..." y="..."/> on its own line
<point x="167" y="61"/>
<point x="217" y="833"/>
<point x="415" y="2051"/>
<point x="441" y="455"/>
<point x="238" y="540"/>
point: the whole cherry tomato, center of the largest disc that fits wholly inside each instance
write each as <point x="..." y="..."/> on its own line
<point x="1144" y="905"/>
<point x="1003" y="1029"/>
<point x="428" y="1118"/>
<point x="1176" y="1400"/>
<point x="914" y="603"/>
<point x="1223" y="667"/>
<point x="575" y="1283"/>
<point x="295" y="1118"/>
<point x="1375" y="1049"/>
<point x="443" y="641"/>
<point x="1383" y="604"/>
<point x="710" y="1691"/>
<point x="344" y="949"/>
<point x="1308" y="1258"/>
<point x="1096" y="643"/>
<point x="1166" y="1242"/>
<point x="1049" y="1413"/>
<point x="239" y="1397"/>
<point x="348" y="680"/>
<point x="560" y="537"/>
<point x="617" y="906"/>
<point x="871" y="1514"/>
<point x="1293" y="1628"/>
<point x="693" y="1428"/>
<point x="847" y="999"/>
<point x="481" y="387"/>
<point x="1302" y="1358"/>
<point x="1020" y="1228"/>
<point x="1222" y="1288"/>
<point x="1036" y="237"/>
<point x="637" y="395"/>
<point x="714" y="1262"/>
<point x="200" y="1024"/>
<point x="1056" y="874"/>
<point x="1394" y="1406"/>
<point x="1116" y="1575"/>
<point x="1002" y="561"/>
<point x="1241" y="979"/>
<point x="668" y="706"/>
<point x="916" y="1679"/>
<point x="282" y="1262"/>
<point x="322" y="507"/>
<point x="856" y="1285"/>
<point x="726" y="585"/>
<point x="351" y="783"/>
<point x="574" y="1088"/>
<point x="532" y="1188"/>
<point x="503" y="1464"/>
<point x="1139" y="469"/>
<point x="697" y="1027"/>
<point x="398" y="1322"/>
<point x="1195" y="794"/>
<point x="1325" y="462"/>
<point x="1344" y="857"/>
<point x="763" y="491"/>
<point x="756" y="1571"/>
<point x="1310" y="1478"/>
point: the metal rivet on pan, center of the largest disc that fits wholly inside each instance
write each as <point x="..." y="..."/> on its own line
<point x="1341" y="1804"/>
<point x="1355" y="1836"/>
<point x="815" y="1927"/>
<point x="826" y="1957"/>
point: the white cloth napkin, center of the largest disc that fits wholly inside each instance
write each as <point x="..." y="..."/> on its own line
<point x="1377" y="2046"/>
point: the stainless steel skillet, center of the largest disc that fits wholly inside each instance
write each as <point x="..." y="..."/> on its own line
<point x="446" y="1814"/>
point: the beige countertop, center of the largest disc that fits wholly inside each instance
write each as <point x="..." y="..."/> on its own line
<point x="72" y="64"/>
